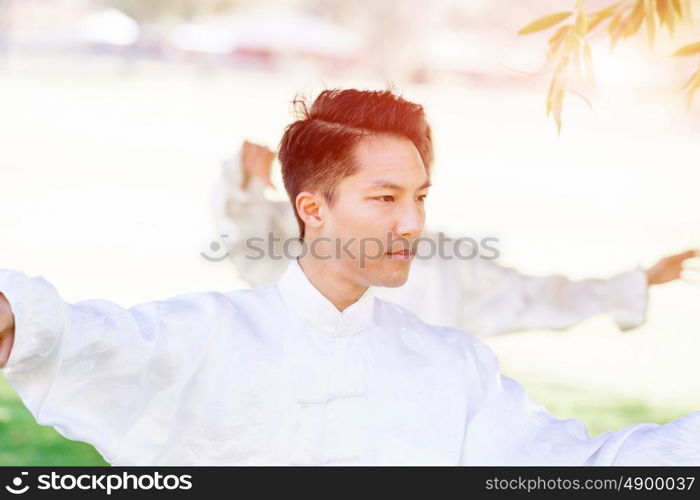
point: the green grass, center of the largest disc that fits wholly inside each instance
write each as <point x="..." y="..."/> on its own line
<point x="23" y="442"/>
<point x="601" y="412"/>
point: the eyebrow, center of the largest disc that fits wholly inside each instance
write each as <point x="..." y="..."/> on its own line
<point x="390" y="185"/>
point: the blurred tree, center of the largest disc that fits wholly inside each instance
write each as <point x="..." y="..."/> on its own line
<point x="4" y="26"/>
<point x="149" y="10"/>
<point x="569" y="52"/>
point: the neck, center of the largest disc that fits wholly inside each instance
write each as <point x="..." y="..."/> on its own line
<point x="332" y="281"/>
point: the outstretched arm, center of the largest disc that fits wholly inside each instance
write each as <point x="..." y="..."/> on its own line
<point x="505" y="427"/>
<point x="101" y="373"/>
<point x="505" y="300"/>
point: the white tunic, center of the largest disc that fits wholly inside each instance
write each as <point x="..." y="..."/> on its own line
<point x="476" y="295"/>
<point x="277" y="375"/>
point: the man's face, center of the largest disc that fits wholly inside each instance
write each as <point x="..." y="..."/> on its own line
<point x="379" y="212"/>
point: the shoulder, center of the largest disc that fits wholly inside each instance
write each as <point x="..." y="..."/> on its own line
<point x="212" y="304"/>
<point x="239" y="316"/>
<point x="454" y="353"/>
<point x="397" y="319"/>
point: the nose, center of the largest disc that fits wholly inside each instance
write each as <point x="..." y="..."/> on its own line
<point x="411" y="220"/>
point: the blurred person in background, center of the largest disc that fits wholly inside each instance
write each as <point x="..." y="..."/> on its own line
<point x="474" y="294"/>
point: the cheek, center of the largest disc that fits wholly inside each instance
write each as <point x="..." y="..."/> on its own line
<point x="369" y="228"/>
<point x="356" y="218"/>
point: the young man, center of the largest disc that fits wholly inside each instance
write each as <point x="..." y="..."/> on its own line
<point x="465" y="290"/>
<point x="312" y="369"/>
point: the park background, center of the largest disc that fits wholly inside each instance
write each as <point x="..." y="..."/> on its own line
<point x="115" y="116"/>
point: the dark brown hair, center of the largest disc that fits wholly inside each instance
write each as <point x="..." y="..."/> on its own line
<point x="316" y="151"/>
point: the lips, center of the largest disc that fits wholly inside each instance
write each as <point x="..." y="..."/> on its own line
<point x="400" y="254"/>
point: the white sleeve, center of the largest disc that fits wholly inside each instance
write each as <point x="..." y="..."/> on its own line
<point x="505" y="427"/>
<point x="248" y="221"/>
<point x="91" y="369"/>
<point x="511" y="301"/>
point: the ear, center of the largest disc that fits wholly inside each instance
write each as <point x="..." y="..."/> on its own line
<point x="308" y="206"/>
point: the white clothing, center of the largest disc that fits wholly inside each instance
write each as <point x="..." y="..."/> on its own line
<point x="277" y="375"/>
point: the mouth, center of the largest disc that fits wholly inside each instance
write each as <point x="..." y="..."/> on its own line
<point x="400" y="255"/>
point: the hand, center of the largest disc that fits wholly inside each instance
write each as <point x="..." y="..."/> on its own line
<point x="669" y="268"/>
<point x="7" y="330"/>
<point x="256" y="161"/>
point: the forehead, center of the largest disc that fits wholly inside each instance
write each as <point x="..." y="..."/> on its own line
<point x="395" y="159"/>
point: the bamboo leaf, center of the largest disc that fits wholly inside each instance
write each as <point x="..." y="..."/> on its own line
<point x="588" y="61"/>
<point x="607" y="11"/>
<point x="693" y="85"/>
<point x="572" y="44"/>
<point x="671" y="22"/>
<point x="555" y="42"/>
<point x="598" y="18"/>
<point x="690" y="80"/>
<point x="544" y="23"/>
<point x="550" y="96"/>
<point x="553" y="88"/>
<point x="678" y="7"/>
<point x="650" y="21"/>
<point x="666" y="14"/>
<point x="601" y="15"/>
<point x="557" y="107"/>
<point x="688" y="50"/>
<point x="662" y="11"/>
<point x="559" y="35"/>
<point x="557" y="83"/>
<point x="634" y="21"/>
<point x="614" y="30"/>
<point x="691" y="94"/>
<point x="555" y="96"/>
<point x="581" y="23"/>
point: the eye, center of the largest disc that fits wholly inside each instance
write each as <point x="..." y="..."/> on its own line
<point x="386" y="198"/>
<point x="421" y="198"/>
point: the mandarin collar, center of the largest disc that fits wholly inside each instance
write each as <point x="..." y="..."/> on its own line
<point x="305" y="300"/>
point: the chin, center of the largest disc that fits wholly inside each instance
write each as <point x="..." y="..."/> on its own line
<point x="393" y="279"/>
